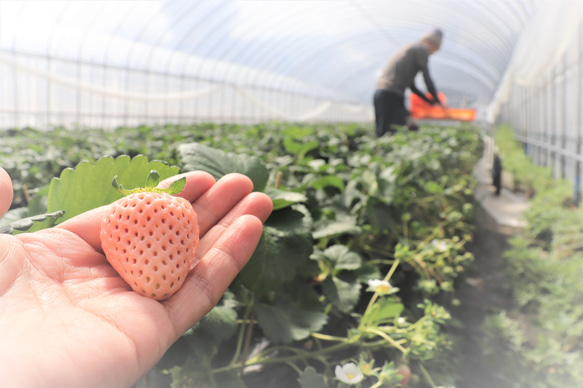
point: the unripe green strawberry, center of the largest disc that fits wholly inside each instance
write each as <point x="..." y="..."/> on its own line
<point x="150" y="238"/>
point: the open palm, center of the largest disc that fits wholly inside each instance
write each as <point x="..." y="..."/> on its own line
<point x="68" y="320"/>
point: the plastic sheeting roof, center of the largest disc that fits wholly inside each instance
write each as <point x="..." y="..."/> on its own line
<point x="336" y="46"/>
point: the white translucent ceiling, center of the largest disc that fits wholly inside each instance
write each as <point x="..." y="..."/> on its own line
<point x="338" y="46"/>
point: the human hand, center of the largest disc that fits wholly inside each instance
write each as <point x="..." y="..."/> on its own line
<point x="69" y="320"/>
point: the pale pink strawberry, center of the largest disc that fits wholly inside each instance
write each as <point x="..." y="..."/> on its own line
<point x="150" y="238"/>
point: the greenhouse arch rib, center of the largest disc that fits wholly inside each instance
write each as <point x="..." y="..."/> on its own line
<point x="188" y="33"/>
<point x="106" y="55"/>
<point x="154" y="47"/>
<point x="49" y="63"/>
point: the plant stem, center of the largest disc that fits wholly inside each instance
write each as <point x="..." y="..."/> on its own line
<point x="388" y="338"/>
<point x="381" y="261"/>
<point x="392" y="270"/>
<point x="257" y="360"/>
<point x="326" y="337"/>
<point x="241" y="334"/>
<point x="377" y="384"/>
<point x="247" y="342"/>
<point x="294" y="367"/>
<point x="278" y="179"/>
<point x="300" y="355"/>
<point x="279" y="348"/>
<point x="427" y="376"/>
<point x="372" y="249"/>
<point x="415" y="324"/>
<point x="26" y="194"/>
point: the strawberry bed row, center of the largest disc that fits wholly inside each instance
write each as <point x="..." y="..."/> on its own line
<point x="357" y="264"/>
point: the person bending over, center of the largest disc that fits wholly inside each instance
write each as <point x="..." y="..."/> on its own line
<point x="398" y="75"/>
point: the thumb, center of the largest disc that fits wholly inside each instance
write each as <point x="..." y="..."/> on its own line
<point x="6" y="192"/>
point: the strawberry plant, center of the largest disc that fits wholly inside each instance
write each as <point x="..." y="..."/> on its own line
<point x="365" y="237"/>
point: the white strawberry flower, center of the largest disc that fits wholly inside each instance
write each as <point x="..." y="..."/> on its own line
<point x="349" y="373"/>
<point x="440" y="245"/>
<point x="381" y="287"/>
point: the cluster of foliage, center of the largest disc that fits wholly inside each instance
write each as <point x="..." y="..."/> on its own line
<point x="527" y="178"/>
<point x="33" y="157"/>
<point x="368" y="236"/>
<point x="539" y="343"/>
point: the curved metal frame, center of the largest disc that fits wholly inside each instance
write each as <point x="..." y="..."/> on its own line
<point x="303" y="75"/>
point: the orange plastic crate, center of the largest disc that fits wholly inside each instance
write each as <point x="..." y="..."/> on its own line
<point x="422" y="110"/>
<point x="460" y="114"/>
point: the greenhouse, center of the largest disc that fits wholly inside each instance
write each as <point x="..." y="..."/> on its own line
<point x="290" y="193"/>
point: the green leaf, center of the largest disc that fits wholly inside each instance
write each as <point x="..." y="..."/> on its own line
<point x="366" y="272"/>
<point x="203" y="339"/>
<point x="176" y="355"/>
<point x="285" y="246"/>
<point x="433" y="187"/>
<point x="389" y="309"/>
<point x="342" y="292"/>
<point x="381" y="218"/>
<point x="39" y="202"/>
<point x="353" y="194"/>
<point x="297" y="133"/>
<point x="282" y="199"/>
<point x="218" y="163"/>
<point x="342" y="258"/>
<point x="221" y="322"/>
<point x="229" y="379"/>
<point x="331" y="229"/>
<point x="14" y="215"/>
<point x="309" y="378"/>
<point x="299" y="147"/>
<point x="383" y="311"/>
<point x="382" y="182"/>
<point x="176" y="187"/>
<point x="292" y="316"/>
<point x="152" y="180"/>
<point x="295" y="142"/>
<point x="200" y="373"/>
<point x="31" y="224"/>
<point x="88" y="186"/>
<point x="119" y="188"/>
<point x="329" y="181"/>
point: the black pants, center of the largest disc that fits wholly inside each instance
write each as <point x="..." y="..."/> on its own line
<point x="389" y="110"/>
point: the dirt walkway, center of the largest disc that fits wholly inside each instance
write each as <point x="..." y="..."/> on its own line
<point x="485" y="289"/>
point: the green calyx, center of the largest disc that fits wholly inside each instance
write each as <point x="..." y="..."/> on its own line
<point x="151" y="186"/>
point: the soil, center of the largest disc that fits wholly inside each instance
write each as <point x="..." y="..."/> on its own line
<point x="483" y="291"/>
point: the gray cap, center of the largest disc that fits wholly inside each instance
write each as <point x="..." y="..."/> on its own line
<point x="434" y="36"/>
